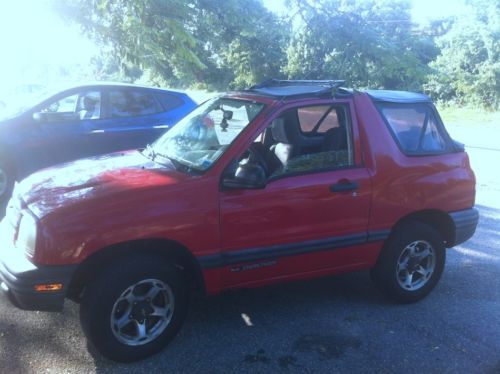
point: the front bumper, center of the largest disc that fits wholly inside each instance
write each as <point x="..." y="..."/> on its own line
<point x="18" y="277"/>
<point x="465" y="222"/>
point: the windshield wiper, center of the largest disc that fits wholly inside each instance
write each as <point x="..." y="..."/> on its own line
<point x="151" y="151"/>
<point x="177" y="165"/>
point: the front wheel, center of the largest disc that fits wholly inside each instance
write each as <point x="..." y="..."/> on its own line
<point x="6" y="180"/>
<point x="411" y="262"/>
<point x="133" y="309"/>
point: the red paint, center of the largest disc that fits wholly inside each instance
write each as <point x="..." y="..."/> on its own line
<point x="89" y="205"/>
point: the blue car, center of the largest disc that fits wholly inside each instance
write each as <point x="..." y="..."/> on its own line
<point x="85" y="121"/>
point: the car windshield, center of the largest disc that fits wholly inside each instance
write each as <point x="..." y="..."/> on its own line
<point x="202" y="137"/>
<point x="18" y="104"/>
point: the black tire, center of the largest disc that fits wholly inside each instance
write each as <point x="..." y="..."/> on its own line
<point x="100" y="306"/>
<point x="7" y="180"/>
<point x="401" y="276"/>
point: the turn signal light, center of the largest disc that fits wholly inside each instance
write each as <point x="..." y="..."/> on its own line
<point x="48" y="287"/>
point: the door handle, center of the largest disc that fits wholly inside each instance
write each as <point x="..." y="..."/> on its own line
<point x="344" y="186"/>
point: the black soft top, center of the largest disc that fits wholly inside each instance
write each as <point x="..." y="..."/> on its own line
<point x="398" y="96"/>
<point x="328" y="88"/>
<point x="298" y="88"/>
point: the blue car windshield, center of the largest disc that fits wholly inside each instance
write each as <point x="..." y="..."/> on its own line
<point x="203" y="136"/>
<point x="22" y="103"/>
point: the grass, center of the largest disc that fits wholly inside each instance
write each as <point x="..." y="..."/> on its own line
<point x="469" y="117"/>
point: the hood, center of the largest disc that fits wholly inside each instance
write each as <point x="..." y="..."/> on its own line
<point x="6" y="122"/>
<point x="94" y="178"/>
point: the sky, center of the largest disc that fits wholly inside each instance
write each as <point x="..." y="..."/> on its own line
<point x="423" y="10"/>
<point x="33" y="38"/>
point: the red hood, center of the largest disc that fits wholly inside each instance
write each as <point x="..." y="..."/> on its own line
<point x="94" y="178"/>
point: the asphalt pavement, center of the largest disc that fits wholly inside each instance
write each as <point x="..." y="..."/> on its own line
<point x="333" y="324"/>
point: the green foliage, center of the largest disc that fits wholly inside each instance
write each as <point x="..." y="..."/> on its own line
<point x="369" y="43"/>
<point x="235" y="42"/>
<point x="467" y="71"/>
<point x="108" y="67"/>
<point x="215" y="44"/>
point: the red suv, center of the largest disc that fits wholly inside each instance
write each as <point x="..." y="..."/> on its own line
<point x="284" y="181"/>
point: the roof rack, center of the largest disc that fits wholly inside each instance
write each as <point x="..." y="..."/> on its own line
<point x="294" y="88"/>
<point x="299" y="82"/>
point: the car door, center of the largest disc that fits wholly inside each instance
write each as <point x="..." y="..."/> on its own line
<point x="132" y="119"/>
<point x="55" y="131"/>
<point x="310" y="219"/>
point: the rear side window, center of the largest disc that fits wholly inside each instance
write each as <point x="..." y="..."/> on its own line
<point x="168" y="101"/>
<point x="131" y="103"/>
<point x="415" y="128"/>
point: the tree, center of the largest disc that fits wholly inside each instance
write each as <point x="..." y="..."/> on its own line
<point x="208" y="42"/>
<point x="369" y="43"/>
<point x="467" y="71"/>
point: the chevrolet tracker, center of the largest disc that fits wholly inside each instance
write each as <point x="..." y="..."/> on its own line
<point x="284" y="181"/>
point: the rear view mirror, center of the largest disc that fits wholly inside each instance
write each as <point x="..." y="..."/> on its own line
<point x="228" y="115"/>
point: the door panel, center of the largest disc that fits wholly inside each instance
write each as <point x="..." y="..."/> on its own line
<point x="293" y="216"/>
<point x="47" y="144"/>
<point x="119" y="134"/>
<point x="133" y="119"/>
<point x="55" y="130"/>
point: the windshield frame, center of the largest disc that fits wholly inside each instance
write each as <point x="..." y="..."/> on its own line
<point x="190" y="168"/>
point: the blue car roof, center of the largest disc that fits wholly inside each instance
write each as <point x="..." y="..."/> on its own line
<point x="398" y="96"/>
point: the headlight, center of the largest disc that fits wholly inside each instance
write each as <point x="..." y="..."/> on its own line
<point x="26" y="236"/>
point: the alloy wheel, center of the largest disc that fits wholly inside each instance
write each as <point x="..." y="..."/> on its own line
<point x="415" y="265"/>
<point x="142" y="312"/>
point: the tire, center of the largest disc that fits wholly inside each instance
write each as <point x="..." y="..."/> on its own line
<point x="117" y="316"/>
<point x="6" y="180"/>
<point x="411" y="263"/>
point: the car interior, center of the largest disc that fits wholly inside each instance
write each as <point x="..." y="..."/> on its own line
<point x="285" y="148"/>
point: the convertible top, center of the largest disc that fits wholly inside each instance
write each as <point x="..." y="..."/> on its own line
<point x="398" y="96"/>
<point x="304" y="88"/>
<point x="297" y="88"/>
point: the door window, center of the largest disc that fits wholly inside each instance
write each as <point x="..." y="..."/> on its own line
<point x="89" y="105"/>
<point x="131" y="103"/>
<point x="79" y="106"/>
<point x="169" y="101"/>
<point x="304" y="140"/>
<point x="65" y="105"/>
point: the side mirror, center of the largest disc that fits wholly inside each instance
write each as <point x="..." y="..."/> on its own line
<point x="249" y="175"/>
<point x="40" y="116"/>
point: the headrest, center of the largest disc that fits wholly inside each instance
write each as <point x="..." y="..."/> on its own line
<point x="88" y="103"/>
<point x="278" y="130"/>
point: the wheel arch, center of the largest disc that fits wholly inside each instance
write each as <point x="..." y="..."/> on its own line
<point x="166" y="249"/>
<point x="8" y="163"/>
<point x="7" y="158"/>
<point x="437" y="219"/>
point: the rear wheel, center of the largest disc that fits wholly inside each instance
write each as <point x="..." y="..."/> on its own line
<point x="411" y="263"/>
<point x="134" y="309"/>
